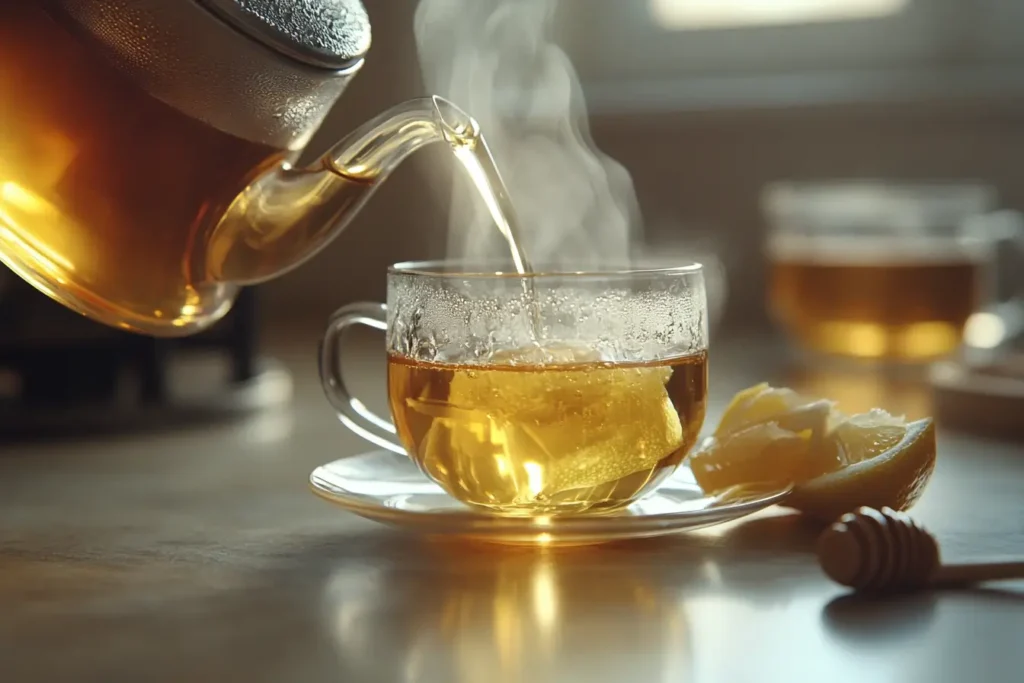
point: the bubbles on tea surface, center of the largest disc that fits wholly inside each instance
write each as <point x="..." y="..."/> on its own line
<point x="546" y="353"/>
<point x="466" y="326"/>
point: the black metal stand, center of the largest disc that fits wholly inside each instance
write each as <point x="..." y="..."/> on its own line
<point x="66" y="376"/>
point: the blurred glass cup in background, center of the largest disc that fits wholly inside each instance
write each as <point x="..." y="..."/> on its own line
<point x="886" y="271"/>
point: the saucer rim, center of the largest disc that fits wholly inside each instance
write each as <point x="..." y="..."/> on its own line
<point x="469" y="521"/>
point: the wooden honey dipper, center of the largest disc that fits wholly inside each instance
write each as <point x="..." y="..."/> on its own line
<point x="884" y="550"/>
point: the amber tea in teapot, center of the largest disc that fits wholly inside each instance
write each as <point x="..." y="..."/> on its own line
<point x="101" y="184"/>
<point x="146" y="150"/>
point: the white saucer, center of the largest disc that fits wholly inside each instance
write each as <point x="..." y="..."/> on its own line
<point x="389" y="488"/>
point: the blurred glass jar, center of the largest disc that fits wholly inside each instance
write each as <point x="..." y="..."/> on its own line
<point x="884" y="271"/>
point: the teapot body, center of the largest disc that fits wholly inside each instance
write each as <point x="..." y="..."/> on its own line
<point x="128" y="128"/>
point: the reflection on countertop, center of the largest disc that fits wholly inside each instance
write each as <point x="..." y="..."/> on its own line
<point x="201" y="555"/>
<point x="508" y="615"/>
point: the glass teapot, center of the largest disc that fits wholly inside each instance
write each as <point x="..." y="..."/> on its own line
<point x="147" y="148"/>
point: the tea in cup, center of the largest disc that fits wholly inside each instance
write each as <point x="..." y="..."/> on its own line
<point x="535" y="394"/>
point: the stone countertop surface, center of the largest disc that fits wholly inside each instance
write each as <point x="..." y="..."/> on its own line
<point x="199" y="554"/>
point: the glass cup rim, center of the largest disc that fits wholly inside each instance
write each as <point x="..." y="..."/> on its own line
<point x="468" y="268"/>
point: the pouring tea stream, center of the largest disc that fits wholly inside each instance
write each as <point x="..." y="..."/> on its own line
<point x="143" y="182"/>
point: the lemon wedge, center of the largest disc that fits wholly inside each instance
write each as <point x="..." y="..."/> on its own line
<point x="835" y="463"/>
<point x="894" y="477"/>
<point x="762" y="404"/>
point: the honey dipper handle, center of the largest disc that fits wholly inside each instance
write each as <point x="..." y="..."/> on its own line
<point x="951" y="574"/>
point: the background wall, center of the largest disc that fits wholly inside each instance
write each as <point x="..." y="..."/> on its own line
<point x="697" y="171"/>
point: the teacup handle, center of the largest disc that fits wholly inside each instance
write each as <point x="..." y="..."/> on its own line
<point x="352" y="412"/>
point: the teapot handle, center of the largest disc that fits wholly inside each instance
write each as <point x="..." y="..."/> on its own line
<point x="352" y="412"/>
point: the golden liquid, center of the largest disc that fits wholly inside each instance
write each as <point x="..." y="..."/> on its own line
<point x="906" y="310"/>
<point x="111" y="201"/>
<point x="548" y="439"/>
<point x="103" y="189"/>
<point x="277" y="219"/>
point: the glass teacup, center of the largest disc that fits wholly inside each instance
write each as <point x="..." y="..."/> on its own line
<point x="540" y="394"/>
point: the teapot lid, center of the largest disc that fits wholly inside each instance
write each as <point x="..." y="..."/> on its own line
<point x="331" y="34"/>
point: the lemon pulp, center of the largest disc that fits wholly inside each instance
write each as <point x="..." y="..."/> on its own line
<point x="775" y="437"/>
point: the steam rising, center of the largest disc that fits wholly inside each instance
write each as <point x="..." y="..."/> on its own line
<point x="496" y="60"/>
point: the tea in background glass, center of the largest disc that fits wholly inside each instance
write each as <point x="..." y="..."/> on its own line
<point x="878" y="271"/>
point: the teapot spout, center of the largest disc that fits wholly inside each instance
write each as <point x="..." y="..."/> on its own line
<point x="286" y="214"/>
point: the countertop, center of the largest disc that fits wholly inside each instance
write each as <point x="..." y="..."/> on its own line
<point x="199" y="554"/>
